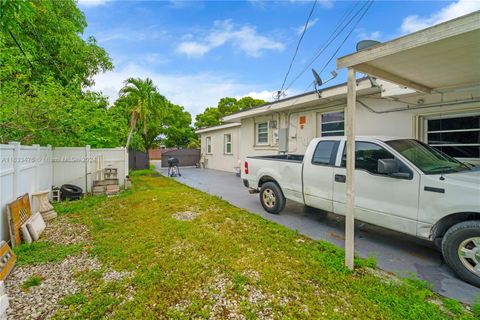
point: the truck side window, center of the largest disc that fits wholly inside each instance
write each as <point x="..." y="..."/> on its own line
<point x="325" y="153"/>
<point x="367" y="155"/>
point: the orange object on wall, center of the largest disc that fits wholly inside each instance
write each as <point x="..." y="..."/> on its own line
<point x="18" y="214"/>
<point x="302" y="120"/>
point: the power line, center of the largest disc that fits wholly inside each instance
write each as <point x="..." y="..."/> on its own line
<point x="305" y="27"/>
<point x="342" y="43"/>
<point x="39" y="38"/>
<point x="348" y="35"/>
<point x="334" y="33"/>
<point x="330" y="40"/>
<point x="20" y="47"/>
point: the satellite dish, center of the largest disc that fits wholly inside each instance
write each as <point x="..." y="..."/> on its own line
<point x="318" y="80"/>
<point x="365" y="44"/>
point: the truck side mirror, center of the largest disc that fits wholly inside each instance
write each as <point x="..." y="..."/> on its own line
<point x="387" y="166"/>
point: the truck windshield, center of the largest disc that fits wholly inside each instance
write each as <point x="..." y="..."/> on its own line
<point x="426" y="158"/>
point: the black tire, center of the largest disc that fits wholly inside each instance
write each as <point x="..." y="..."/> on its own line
<point x="457" y="237"/>
<point x="272" y="198"/>
<point x="70" y="192"/>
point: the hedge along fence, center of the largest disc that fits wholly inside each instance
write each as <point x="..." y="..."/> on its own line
<point x="28" y="169"/>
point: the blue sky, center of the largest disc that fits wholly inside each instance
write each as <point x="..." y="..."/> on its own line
<point x="200" y="51"/>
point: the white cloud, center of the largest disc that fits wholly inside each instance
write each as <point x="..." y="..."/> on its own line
<point x="267" y="95"/>
<point x="310" y="24"/>
<point x="92" y="3"/>
<point x="193" y="91"/>
<point x="264" y="95"/>
<point x="365" y="35"/>
<point x="414" y="23"/>
<point x="129" y="34"/>
<point x="193" y="49"/>
<point x="244" y="38"/>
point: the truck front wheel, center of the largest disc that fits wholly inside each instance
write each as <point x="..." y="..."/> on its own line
<point x="271" y="197"/>
<point x="461" y="250"/>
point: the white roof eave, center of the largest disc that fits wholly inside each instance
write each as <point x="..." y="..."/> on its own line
<point x="219" y="127"/>
<point x="327" y="95"/>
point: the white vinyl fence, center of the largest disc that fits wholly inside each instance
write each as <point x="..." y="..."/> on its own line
<point x="27" y="169"/>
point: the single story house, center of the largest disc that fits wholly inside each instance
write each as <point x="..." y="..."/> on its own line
<point x="220" y="148"/>
<point x="447" y="119"/>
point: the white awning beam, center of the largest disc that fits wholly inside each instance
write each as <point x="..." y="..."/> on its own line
<point x="376" y="72"/>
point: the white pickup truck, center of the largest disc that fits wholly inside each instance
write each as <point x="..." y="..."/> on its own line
<point x="400" y="184"/>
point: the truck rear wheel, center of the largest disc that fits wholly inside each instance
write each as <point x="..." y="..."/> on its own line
<point x="271" y="197"/>
<point x="461" y="250"/>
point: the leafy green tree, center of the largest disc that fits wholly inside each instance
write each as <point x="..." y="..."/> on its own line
<point x="212" y="115"/>
<point x="44" y="39"/>
<point x="178" y="132"/>
<point x="209" y="118"/>
<point x="158" y="120"/>
<point x="44" y="66"/>
<point x="141" y="95"/>
<point x="53" y="114"/>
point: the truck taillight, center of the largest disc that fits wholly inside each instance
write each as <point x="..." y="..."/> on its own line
<point x="246" y="167"/>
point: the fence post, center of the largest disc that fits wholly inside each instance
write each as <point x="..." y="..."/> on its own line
<point x="37" y="167"/>
<point x="49" y="158"/>
<point x="125" y="160"/>
<point x="16" y="167"/>
<point x="87" y="160"/>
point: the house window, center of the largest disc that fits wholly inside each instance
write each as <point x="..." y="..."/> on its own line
<point x="227" y="143"/>
<point x="331" y="124"/>
<point x="208" y="142"/>
<point x="457" y="136"/>
<point x="262" y="133"/>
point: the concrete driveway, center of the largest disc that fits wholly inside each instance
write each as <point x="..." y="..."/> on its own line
<point x="395" y="252"/>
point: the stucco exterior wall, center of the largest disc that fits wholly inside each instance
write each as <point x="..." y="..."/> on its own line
<point x="405" y="123"/>
<point x="218" y="159"/>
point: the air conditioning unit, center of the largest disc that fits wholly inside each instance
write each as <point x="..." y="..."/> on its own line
<point x="272" y="124"/>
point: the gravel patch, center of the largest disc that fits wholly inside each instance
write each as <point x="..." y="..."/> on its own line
<point x="226" y="303"/>
<point x="185" y="216"/>
<point x="62" y="231"/>
<point x="58" y="280"/>
<point x="116" y="275"/>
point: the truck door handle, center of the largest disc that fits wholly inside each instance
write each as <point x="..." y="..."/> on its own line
<point x="340" y="178"/>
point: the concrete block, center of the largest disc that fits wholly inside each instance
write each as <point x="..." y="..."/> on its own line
<point x="25" y="233"/>
<point x="36" y="226"/>
<point x="3" y="306"/>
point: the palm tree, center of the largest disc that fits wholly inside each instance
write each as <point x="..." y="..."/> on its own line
<point x="141" y="93"/>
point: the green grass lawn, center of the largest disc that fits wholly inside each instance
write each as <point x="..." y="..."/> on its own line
<point x="226" y="263"/>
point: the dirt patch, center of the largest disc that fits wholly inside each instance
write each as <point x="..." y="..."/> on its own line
<point x="185" y="216"/>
